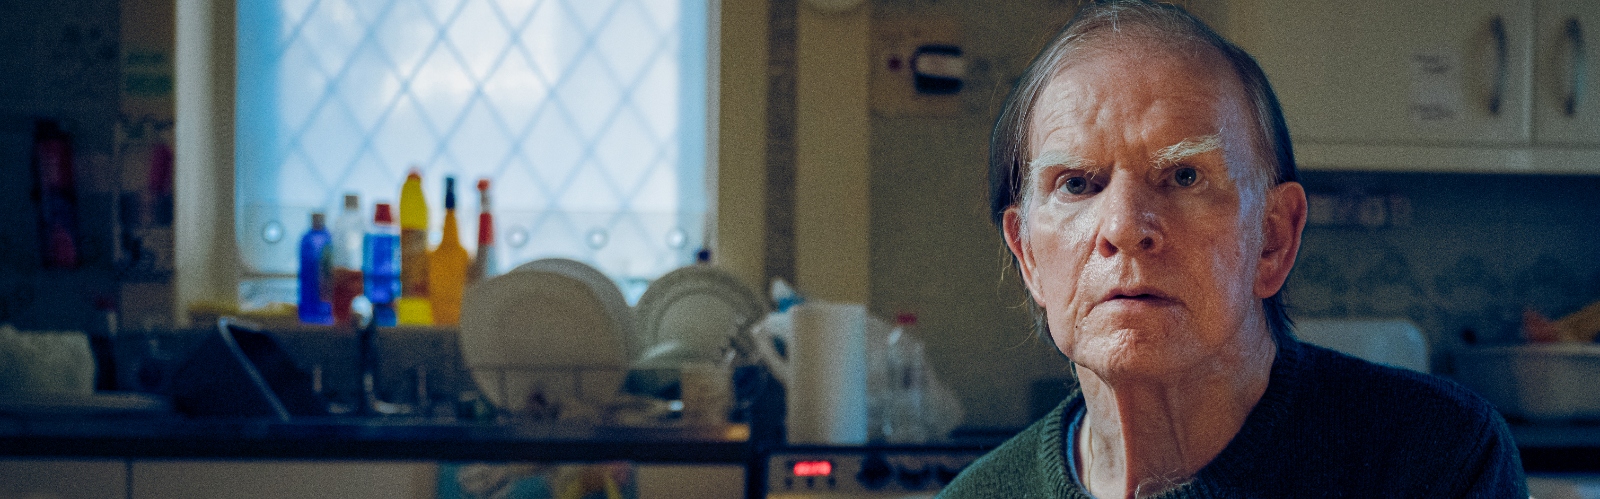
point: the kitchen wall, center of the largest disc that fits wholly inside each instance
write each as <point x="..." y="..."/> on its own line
<point x="933" y="251"/>
<point x="58" y="60"/>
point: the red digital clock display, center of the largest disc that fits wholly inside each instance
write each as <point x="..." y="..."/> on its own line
<point x="813" y="468"/>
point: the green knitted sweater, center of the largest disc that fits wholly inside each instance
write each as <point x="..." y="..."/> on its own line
<point x="1328" y="425"/>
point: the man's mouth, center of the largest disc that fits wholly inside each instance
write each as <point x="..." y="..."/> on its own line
<point x="1145" y="296"/>
<point x="1137" y="294"/>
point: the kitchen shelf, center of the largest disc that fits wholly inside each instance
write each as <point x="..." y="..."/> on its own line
<point x="397" y="439"/>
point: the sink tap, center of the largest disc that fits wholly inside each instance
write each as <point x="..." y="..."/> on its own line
<point x="367" y="364"/>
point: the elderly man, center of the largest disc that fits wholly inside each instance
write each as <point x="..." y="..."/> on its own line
<point x="1143" y="180"/>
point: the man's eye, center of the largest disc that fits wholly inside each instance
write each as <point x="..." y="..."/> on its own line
<point x="1076" y="185"/>
<point x="1185" y="176"/>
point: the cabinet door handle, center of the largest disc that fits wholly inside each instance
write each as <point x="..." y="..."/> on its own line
<point x="1497" y="30"/>
<point x="1577" y="72"/>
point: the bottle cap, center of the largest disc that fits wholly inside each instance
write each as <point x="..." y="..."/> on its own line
<point x="450" y="192"/>
<point x="318" y="220"/>
<point x="415" y="172"/>
<point x="483" y="195"/>
<point x="352" y="201"/>
<point x="383" y="214"/>
<point x="906" y="318"/>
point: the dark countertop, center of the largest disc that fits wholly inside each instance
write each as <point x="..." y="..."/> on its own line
<point x="1564" y="448"/>
<point x="356" y="438"/>
<point x="1544" y="447"/>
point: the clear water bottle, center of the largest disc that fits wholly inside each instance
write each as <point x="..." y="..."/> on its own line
<point x="904" y="416"/>
<point x="381" y="265"/>
<point x="349" y="238"/>
<point x="315" y="273"/>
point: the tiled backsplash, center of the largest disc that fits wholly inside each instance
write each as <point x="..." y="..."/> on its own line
<point x="1473" y="253"/>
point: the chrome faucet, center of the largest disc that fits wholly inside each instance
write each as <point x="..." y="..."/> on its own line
<point x="367" y="362"/>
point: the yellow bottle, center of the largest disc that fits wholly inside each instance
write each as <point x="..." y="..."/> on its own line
<point x="412" y="307"/>
<point x="447" y="266"/>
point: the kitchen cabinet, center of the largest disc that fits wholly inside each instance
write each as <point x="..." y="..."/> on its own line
<point x="180" y="479"/>
<point x="63" y="478"/>
<point x="1430" y="85"/>
<point x="690" y="481"/>
<point x="1566" y="100"/>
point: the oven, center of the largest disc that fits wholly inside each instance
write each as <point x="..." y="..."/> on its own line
<point x="886" y="471"/>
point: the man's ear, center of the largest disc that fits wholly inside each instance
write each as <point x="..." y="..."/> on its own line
<point x="1011" y="226"/>
<point x="1281" y="228"/>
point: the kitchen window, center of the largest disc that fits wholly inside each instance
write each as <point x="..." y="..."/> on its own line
<point x="590" y="117"/>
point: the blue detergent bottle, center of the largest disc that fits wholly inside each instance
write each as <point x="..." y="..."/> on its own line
<point x="381" y="265"/>
<point x="316" y="273"/>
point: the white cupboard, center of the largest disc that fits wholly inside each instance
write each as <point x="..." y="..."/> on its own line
<point x="25" y="478"/>
<point x="1431" y="85"/>
<point x="250" y="479"/>
<point x="22" y="478"/>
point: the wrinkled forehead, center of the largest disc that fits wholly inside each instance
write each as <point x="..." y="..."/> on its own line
<point x="1162" y="97"/>
<point x="1139" y="74"/>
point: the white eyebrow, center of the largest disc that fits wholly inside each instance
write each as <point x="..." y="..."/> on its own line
<point x="1056" y="158"/>
<point x="1186" y="149"/>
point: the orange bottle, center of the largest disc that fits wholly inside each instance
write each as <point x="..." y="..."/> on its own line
<point x="447" y="266"/>
<point x="412" y="307"/>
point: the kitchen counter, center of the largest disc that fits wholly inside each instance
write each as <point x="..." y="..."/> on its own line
<point x="358" y="438"/>
<point x="1564" y="448"/>
<point x="416" y="438"/>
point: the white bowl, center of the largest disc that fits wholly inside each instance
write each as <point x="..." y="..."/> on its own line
<point x="1549" y="382"/>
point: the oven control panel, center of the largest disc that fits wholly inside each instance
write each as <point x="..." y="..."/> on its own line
<point x="864" y="472"/>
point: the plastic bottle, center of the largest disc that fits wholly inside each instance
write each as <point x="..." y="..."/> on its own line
<point x="904" y="418"/>
<point x="348" y="238"/>
<point x="381" y="265"/>
<point x="56" y="195"/>
<point x="412" y="307"/>
<point x="485" y="263"/>
<point x="447" y="266"/>
<point x="315" y="273"/>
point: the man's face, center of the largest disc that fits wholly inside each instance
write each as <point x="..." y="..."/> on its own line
<point x="1143" y="231"/>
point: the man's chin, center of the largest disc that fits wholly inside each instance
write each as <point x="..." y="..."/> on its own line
<point x="1134" y="356"/>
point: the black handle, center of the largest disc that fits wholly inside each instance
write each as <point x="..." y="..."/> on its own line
<point x="1577" y="73"/>
<point x="1497" y="30"/>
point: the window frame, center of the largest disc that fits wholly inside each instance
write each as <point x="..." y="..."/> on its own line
<point x="208" y="268"/>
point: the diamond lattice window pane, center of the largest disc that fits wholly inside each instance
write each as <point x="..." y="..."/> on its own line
<point x="587" y="114"/>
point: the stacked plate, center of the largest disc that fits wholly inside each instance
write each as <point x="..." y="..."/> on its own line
<point x="555" y="330"/>
<point x="696" y="314"/>
<point x="549" y="331"/>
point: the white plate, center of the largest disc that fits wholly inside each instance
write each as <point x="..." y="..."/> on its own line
<point x="693" y="314"/>
<point x="602" y="285"/>
<point x="539" y="331"/>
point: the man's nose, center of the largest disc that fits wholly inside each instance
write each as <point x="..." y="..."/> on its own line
<point x="1129" y="218"/>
